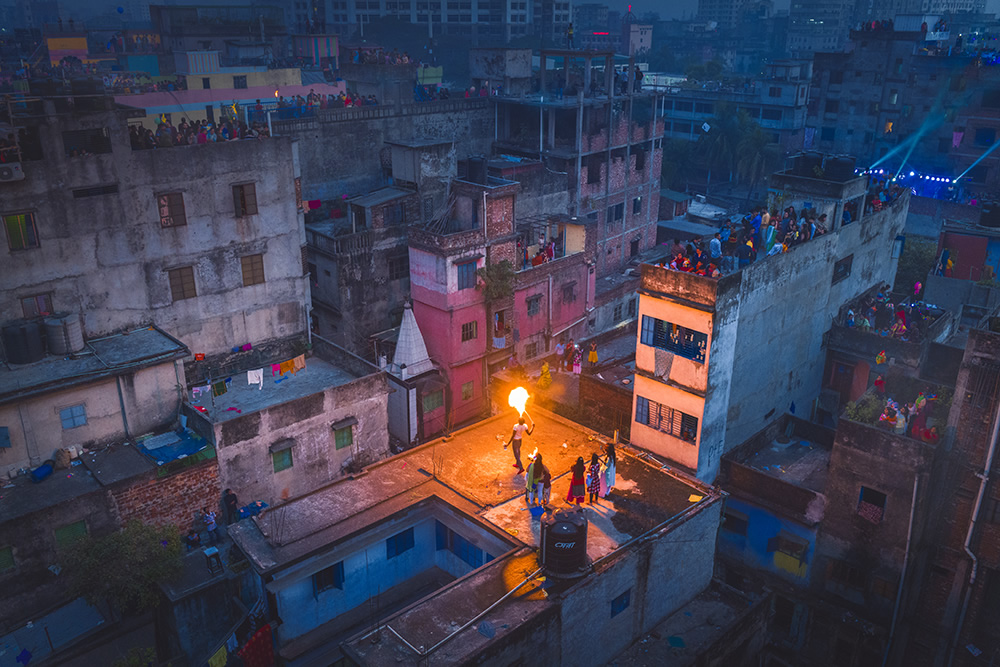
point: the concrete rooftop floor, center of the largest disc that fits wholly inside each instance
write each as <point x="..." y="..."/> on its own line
<point x="793" y="459"/>
<point x="473" y="464"/>
<point x="318" y="376"/>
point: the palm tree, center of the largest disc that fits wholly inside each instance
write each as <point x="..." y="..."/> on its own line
<point x="719" y="145"/>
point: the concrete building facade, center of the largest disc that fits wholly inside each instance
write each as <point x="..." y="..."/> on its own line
<point x="196" y="239"/>
<point x="695" y="332"/>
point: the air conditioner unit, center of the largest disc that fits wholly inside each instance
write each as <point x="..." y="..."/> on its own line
<point x="11" y="171"/>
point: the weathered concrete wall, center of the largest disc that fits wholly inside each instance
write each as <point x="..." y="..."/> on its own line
<point x="590" y="636"/>
<point x="243" y="443"/>
<point x="151" y="401"/>
<point x="107" y="256"/>
<point x="354" y="166"/>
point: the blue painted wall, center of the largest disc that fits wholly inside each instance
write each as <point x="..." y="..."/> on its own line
<point x="753" y="548"/>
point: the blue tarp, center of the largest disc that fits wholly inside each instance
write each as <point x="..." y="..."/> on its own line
<point x="171" y="446"/>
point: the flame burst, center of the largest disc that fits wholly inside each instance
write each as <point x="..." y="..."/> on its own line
<point x="518" y="397"/>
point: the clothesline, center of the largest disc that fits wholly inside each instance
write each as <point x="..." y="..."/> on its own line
<point x="216" y="388"/>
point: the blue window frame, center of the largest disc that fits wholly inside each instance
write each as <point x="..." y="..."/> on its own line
<point x="331" y="577"/>
<point x="680" y="340"/>
<point x="466" y="275"/>
<point x="666" y="419"/>
<point x="620" y="603"/>
<point x="448" y="539"/>
<point x="73" y="416"/>
<point x="399" y="543"/>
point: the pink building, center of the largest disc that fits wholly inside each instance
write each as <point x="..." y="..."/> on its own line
<point x="469" y="337"/>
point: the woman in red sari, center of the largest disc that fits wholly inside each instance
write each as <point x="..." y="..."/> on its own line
<point x="577" y="489"/>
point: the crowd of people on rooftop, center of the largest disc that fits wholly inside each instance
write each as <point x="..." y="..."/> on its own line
<point x="138" y="82"/>
<point x="906" y="320"/>
<point x="194" y="133"/>
<point x="380" y="56"/>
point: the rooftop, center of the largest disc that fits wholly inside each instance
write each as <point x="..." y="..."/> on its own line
<point x="101" y="357"/>
<point x="21" y="497"/>
<point x="473" y="464"/>
<point x="380" y="196"/>
<point x="318" y="376"/>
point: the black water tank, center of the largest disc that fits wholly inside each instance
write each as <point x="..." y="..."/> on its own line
<point x="989" y="215"/>
<point x="477" y="170"/>
<point x="23" y="342"/>
<point x="806" y="163"/>
<point x="840" y="168"/>
<point x="564" y="543"/>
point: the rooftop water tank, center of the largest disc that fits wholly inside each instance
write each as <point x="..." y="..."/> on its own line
<point x="477" y="170"/>
<point x="840" y="168"/>
<point x="22" y="342"/>
<point x="64" y="333"/>
<point x="989" y="215"/>
<point x="806" y="163"/>
<point x="564" y="543"/>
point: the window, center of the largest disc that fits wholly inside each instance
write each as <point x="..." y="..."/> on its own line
<point x="343" y="437"/>
<point x="683" y="106"/>
<point x="331" y="577"/>
<point x="281" y="459"/>
<point x="985" y="136"/>
<point x="616" y="212"/>
<point x="827" y="134"/>
<point x="871" y="505"/>
<point x="399" y="267"/>
<point x="468" y="390"/>
<point x="774" y="91"/>
<point x="633" y="248"/>
<point x="245" y="199"/>
<point x="735" y="522"/>
<point x="87" y="142"/>
<point x="73" y="416"/>
<point x="637" y="206"/>
<point x="631" y="307"/>
<point x="893" y="96"/>
<point x="770" y="114"/>
<point x="81" y="193"/>
<point x="616" y="314"/>
<point x="70" y="534"/>
<point x="991" y="510"/>
<point x="842" y="269"/>
<point x="704" y="107"/>
<point x="620" y="603"/>
<point x="253" y="269"/>
<point x="240" y="82"/>
<point x="171" y="206"/>
<point x="665" y="419"/>
<point x="447" y="539"/>
<point x="784" y="613"/>
<point x="470" y="330"/>
<point x="788" y="544"/>
<point x="37" y="305"/>
<point x="433" y="400"/>
<point x="206" y="83"/>
<point x="399" y="543"/>
<point x="531" y="350"/>
<point x="182" y="283"/>
<point x="6" y="559"/>
<point x="466" y="275"/>
<point x="534" y="304"/>
<point x="844" y="574"/>
<point x="569" y="293"/>
<point x="884" y="588"/>
<point x="680" y="340"/>
<point x="594" y="169"/>
<point x="832" y="106"/>
<point x="21" y="231"/>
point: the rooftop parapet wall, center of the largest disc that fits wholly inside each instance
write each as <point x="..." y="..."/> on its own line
<point x="699" y="291"/>
<point x="803" y="185"/>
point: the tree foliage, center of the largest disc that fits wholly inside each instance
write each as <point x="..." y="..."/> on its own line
<point x="125" y="568"/>
<point x="915" y="263"/>
<point x="497" y="280"/>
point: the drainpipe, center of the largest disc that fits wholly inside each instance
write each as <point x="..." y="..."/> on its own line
<point x="984" y="479"/>
<point x="902" y="575"/>
<point x="121" y="402"/>
<point x="548" y="304"/>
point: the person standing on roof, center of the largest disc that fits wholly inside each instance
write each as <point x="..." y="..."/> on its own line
<point x="520" y="428"/>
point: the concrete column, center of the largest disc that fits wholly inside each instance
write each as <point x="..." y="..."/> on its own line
<point x="541" y="61"/>
<point x="586" y="76"/>
<point x="552" y="128"/>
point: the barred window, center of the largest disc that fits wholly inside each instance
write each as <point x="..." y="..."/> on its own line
<point x="470" y="330"/>
<point x="182" y="283"/>
<point x="666" y="419"/>
<point x="677" y="339"/>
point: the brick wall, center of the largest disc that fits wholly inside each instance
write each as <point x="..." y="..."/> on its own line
<point x="176" y="499"/>
<point x="605" y="407"/>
